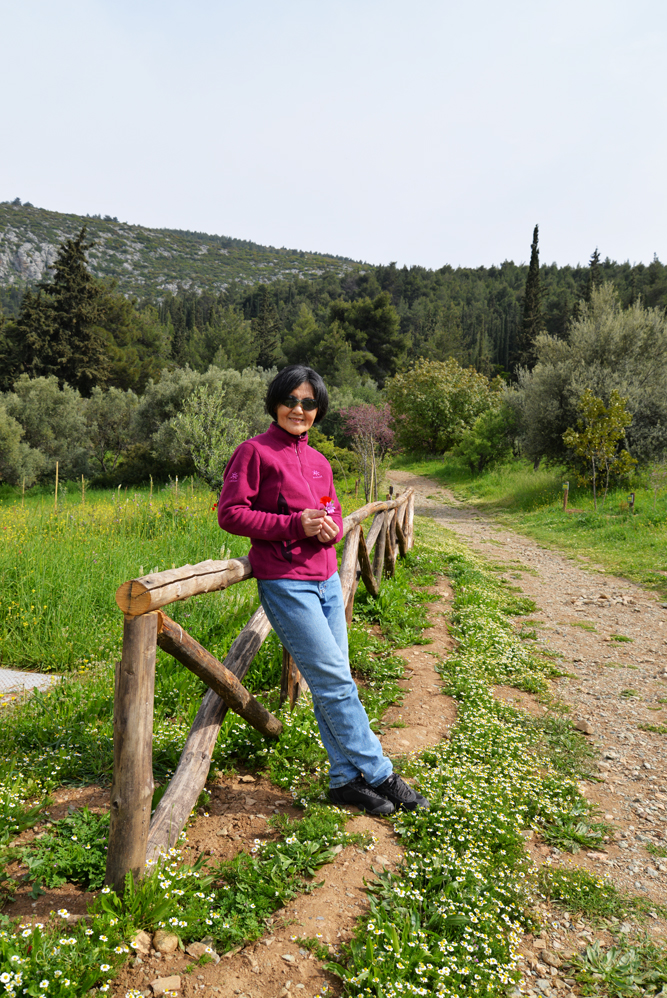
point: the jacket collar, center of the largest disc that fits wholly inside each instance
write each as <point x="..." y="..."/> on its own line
<point x="284" y="437"/>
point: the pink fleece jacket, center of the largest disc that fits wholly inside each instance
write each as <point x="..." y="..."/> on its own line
<point x="269" y="481"/>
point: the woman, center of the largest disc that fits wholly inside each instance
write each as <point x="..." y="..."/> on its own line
<point x="279" y="492"/>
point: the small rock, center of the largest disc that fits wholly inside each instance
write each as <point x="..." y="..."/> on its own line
<point x="247" y="779"/>
<point x="137" y="961"/>
<point x="383" y="860"/>
<point x="651" y="872"/>
<point x="337" y="849"/>
<point x="162" y="984"/>
<point x="165" y="942"/>
<point x="142" y="943"/>
<point x="611" y="753"/>
<point x="222" y="831"/>
<point x="250" y="801"/>
<point x="584" y="727"/>
<point x="288" y="958"/>
<point x="550" y="958"/>
<point x="200" y="949"/>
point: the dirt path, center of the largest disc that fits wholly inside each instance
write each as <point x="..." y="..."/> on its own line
<point x="611" y="638"/>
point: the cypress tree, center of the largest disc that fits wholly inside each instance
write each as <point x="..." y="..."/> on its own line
<point x="266" y="332"/>
<point x="595" y="278"/>
<point x="532" y="321"/>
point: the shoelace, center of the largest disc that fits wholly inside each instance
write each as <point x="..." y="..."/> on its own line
<point x="399" y="788"/>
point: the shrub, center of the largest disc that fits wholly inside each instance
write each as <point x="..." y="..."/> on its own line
<point x="489" y="439"/>
<point x="435" y="401"/>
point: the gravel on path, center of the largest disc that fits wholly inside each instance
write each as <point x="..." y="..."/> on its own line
<point x="14" y="683"/>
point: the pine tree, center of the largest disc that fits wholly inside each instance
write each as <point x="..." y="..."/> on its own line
<point x="266" y="331"/>
<point x="532" y="321"/>
<point x="58" y="330"/>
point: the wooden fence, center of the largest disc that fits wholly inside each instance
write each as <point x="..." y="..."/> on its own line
<point x="135" y="838"/>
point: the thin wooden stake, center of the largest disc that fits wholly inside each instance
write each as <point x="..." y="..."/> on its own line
<point x="23" y="492"/>
<point x="132" y="788"/>
<point x="150" y="497"/>
<point x="83" y="492"/>
<point x="55" y="502"/>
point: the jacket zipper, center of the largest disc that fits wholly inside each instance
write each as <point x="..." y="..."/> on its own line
<point x="298" y="457"/>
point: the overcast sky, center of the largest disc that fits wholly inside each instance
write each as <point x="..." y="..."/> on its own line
<point x="422" y="131"/>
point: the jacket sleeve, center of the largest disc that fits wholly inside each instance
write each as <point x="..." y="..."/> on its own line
<point x="240" y="489"/>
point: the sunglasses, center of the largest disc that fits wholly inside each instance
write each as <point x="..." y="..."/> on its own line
<point x="292" y="402"/>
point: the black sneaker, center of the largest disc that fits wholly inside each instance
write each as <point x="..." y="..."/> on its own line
<point x="359" y="793"/>
<point x="400" y="794"/>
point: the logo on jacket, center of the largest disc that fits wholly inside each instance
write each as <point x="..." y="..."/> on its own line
<point x="234" y="477"/>
<point x="316" y="474"/>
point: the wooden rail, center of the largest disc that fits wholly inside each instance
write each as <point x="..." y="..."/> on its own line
<point x="135" y="838"/>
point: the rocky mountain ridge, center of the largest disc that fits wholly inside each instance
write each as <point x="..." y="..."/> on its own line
<point x="147" y="262"/>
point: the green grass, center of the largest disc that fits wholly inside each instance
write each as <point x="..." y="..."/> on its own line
<point x="531" y="502"/>
<point x="584" y="893"/>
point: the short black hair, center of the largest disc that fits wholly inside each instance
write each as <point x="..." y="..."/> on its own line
<point x="290" y="378"/>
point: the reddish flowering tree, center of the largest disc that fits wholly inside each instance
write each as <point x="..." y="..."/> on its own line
<point x="372" y="436"/>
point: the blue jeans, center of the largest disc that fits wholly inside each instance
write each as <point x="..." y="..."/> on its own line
<point x="309" y="619"/>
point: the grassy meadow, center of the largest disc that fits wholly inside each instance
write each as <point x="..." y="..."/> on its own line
<point x="61" y="566"/>
<point x="616" y="539"/>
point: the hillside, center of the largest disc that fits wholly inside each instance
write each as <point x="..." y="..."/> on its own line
<point x="147" y="262"/>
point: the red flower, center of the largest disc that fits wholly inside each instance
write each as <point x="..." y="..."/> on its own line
<point x="325" y="499"/>
<point x="214" y="506"/>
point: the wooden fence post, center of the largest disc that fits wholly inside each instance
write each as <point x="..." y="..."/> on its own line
<point x="132" y="788"/>
<point x="410" y="523"/>
<point x="378" y="557"/>
<point x="348" y="570"/>
<point x="390" y="546"/>
<point x="292" y="683"/>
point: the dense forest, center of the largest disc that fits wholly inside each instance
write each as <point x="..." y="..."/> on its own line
<point x="491" y="361"/>
<point x="350" y="321"/>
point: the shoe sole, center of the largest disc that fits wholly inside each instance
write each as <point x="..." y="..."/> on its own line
<point x="376" y="812"/>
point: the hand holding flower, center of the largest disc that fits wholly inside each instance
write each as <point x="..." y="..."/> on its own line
<point x="328" y="530"/>
<point x="311" y="521"/>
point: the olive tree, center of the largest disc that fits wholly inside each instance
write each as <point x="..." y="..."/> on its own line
<point x="609" y="348"/>
<point x="19" y="462"/>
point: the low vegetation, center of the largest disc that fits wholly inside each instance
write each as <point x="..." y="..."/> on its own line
<point x="628" y="542"/>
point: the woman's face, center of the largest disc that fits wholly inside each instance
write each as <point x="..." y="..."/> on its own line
<point x="297" y="420"/>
